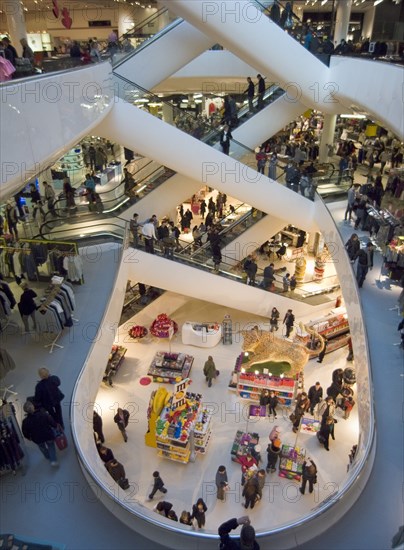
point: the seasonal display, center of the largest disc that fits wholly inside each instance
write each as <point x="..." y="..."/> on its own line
<point x="163" y="326"/>
<point x="137" y="332"/>
<point x="170" y="367"/>
<point x="291" y="463"/>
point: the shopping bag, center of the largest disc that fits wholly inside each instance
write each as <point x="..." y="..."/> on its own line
<point x="60" y="438"/>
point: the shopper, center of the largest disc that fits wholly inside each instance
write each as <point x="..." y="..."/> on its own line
<point x="69" y="192"/>
<point x="134" y="229"/>
<point x="209" y="370"/>
<point x="281" y="251"/>
<point x="350" y="203"/>
<point x="117" y="471"/>
<point x="286" y="282"/>
<point x="309" y="474"/>
<point x="273" y="163"/>
<point x="27" y="306"/>
<point x="269" y="277"/>
<point x="97" y="426"/>
<point x="221" y="481"/>
<point x="250" y="94"/>
<point x="323" y="351"/>
<point x="202" y="208"/>
<point x="288" y="321"/>
<point x="273" y="453"/>
<point x="158" y="485"/>
<point x="149" y="235"/>
<point x="327" y="429"/>
<point x="302" y="405"/>
<point x="250" y="492"/>
<point x="38" y="426"/>
<point x="361" y="212"/>
<point x="352" y="246"/>
<point x="172" y="515"/>
<point x="225" y="138"/>
<point x="292" y="283"/>
<point x="326" y="409"/>
<point x="50" y="198"/>
<point x="250" y="267"/>
<point x="11" y="216"/>
<point x="198" y="512"/>
<point x="247" y="535"/>
<point x="247" y="461"/>
<point x="275" y="433"/>
<point x="185" y="518"/>
<point x="261" y="476"/>
<point x="315" y="395"/>
<point x="261" y="92"/>
<point x="274" y="320"/>
<point x="49" y="396"/>
<point x="273" y="403"/>
<point x="89" y="184"/>
<point x="163" y="508"/>
<point x="121" y="419"/>
<point x="365" y="262"/>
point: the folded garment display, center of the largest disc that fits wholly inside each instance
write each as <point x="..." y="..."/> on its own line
<point x="162" y="326"/>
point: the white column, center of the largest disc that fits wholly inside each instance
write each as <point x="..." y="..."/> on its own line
<point x="125" y="19"/>
<point x="16" y="22"/>
<point x="168" y="115"/>
<point x="327" y="136"/>
<point x="342" y="20"/>
<point x="368" y="21"/>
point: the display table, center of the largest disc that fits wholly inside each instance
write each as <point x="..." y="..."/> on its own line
<point x="114" y="362"/>
<point x="170" y="367"/>
<point x="110" y="172"/>
<point x="291" y="462"/>
<point x="243" y="444"/>
<point x="203" y="335"/>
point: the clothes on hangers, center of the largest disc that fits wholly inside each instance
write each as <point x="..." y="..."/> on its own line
<point x="74" y="267"/>
<point x="6" y="363"/>
<point x="11" y="452"/>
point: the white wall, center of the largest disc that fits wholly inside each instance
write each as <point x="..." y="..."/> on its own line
<point x="166" y="55"/>
<point x="42" y="117"/>
<point x="192" y="158"/>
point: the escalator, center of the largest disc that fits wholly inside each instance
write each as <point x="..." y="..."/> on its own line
<point x="243" y="27"/>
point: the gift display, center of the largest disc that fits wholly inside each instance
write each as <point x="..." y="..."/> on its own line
<point x="163" y="326"/>
<point x="291" y="463"/>
<point x="170" y="367"/>
<point x="114" y="362"/>
<point x="137" y="332"/>
<point x="243" y="444"/>
<point x="309" y="425"/>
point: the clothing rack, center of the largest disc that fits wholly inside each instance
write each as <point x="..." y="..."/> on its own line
<point x="11" y="440"/>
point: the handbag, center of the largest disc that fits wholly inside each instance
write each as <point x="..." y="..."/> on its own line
<point x="60" y="438"/>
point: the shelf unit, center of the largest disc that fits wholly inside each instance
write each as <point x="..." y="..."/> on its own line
<point x="250" y="385"/>
<point x="203" y="431"/>
<point x="114" y="362"/>
<point x="334" y="327"/>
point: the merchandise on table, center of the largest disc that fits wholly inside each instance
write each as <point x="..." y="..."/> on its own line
<point x="114" y="362"/>
<point x="170" y="367"/>
<point x="243" y="444"/>
<point x="291" y="462"/>
<point x="163" y="326"/>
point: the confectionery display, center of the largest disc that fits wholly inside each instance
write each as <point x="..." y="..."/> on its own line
<point x="170" y="367"/>
<point x="291" y="462"/>
<point x="162" y="326"/>
<point x="137" y="332"/>
<point x="243" y="444"/>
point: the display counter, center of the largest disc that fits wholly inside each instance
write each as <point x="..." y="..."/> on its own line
<point x="170" y="367"/>
<point x="243" y="444"/>
<point x="291" y="462"/>
<point x="203" y="335"/>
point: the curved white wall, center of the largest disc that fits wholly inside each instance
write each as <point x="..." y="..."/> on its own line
<point x="192" y="158"/>
<point x="41" y="117"/>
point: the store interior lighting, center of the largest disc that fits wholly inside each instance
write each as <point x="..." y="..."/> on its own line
<point x="353" y="116"/>
<point x="377" y="2"/>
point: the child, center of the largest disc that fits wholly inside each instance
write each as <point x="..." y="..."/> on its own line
<point x="158" y="485"/>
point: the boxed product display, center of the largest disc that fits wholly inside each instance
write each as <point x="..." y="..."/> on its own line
<point x="170" y="367"/>
<point x="243" y="444"/>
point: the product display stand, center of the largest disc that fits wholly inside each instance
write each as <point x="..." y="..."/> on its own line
<point x="243" y="444"/>
<point x="291" y="462"/>
<point x="250" y="386"/>
<point x="227" y="330"/>
<point x="53" y="344"/>
<point x="170" y="367"/>
<point x="114" y="362"/>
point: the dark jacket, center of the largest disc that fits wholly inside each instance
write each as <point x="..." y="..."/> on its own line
<point x="116" y="470"/>
<point x="365" y="257"/>
<point x="251" y="489"/>
<point x="315" y="395"/>
<point x="309" y="472"/>
<point x="198" y="514"/>
<point x="47" y="392"/>
<point x="250" y="267"/>
<point x="226" y="543"/>
<point x="273" y="453"/>
<point x="97" y="422"/>
<point x="269" y="273"/>
<point x="352" y="248"/>
<point x="273" y="401"/>
<point x="289" y="319"/>
<point x="26" y="304"/>
<point x="158" y="483"/>
<point x="37" y="427"/>
<point x="264" y="399"/>
<point x="106" y="454"/>
<point x="122" y="422"/>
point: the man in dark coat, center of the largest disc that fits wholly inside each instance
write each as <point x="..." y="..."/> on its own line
<point x="288" y="321"/>
<point x="250" y="267"/>
<point x="38" y="427"/>
<point x="97" y="426"/>
<point x="315" y="396"/>
<point x="269" y="276"/>
<point x="49" y="396"/>
<point x="309" y="474"/>
<point x="365" y="262"/>
<point x="247" y="535"/>
<point x="121" y="419"/>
